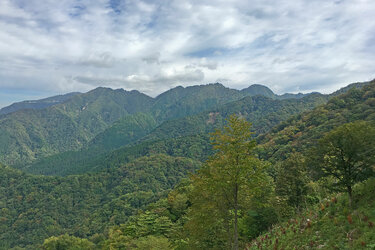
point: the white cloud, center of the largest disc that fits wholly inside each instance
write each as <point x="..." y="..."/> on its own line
<point x="151" y="46"/>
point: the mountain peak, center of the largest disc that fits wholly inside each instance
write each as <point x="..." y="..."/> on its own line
<point x="258" y="89"/>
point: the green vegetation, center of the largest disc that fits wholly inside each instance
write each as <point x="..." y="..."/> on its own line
<point x="347" y="154"/>
<point x="263" y="111"/>
<point x="138" y="186"/>
<point x="27" y="135"/>
<point x="37" y="104"/>
<point x="225" y="187"/>
<point x="328" y="225"/>
<point x="303" y="131"/>
<point x="33" y="208"/>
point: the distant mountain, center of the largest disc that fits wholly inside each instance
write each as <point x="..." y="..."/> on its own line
<point x="264" y="112"/>
<point x="257" y="89"/>
<point x="27" y="135"/>
<point x="293" y="96"/>
<point x="33" y="134"/>
<point x="37" y="104"/>
<point x="180" y="101"/>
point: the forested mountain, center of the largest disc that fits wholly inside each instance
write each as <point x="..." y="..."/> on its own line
<point x="35" y="207"/>
<point x="321" y="219"/>
<point x="180" y="101"/>
<point x="257" y="89"/>
<point x="33" y="134"/>
<point x="262" y="111"/>
<point x="37" y="104"/>
<point x="30" y="134"/>
<point x="130" y="199"/>
<point x="302" y="131"/>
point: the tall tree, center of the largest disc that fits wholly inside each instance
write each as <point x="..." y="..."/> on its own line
<point x="225" y="186"/>
<point x="347" y="153"/>
<point x="292" y="180"/>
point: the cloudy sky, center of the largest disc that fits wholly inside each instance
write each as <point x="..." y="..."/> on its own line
<point x="51" y="47"/>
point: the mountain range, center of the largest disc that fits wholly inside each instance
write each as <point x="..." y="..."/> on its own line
<point x="103" y="119"/>
<point x="69" y="122"/>
<point x="113" y="153"/>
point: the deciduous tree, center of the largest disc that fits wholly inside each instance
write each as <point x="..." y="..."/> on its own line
<point x="224" y="187"/>
<point x="347" y="153"/>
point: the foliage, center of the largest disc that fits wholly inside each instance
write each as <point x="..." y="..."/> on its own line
<point x="195" y="147"/>
<point x="292" y="180"/>
<point x="328" y="225"/>
<point x="33" y="208"/>
<point x="302" y="131"/>
<point x="66" y="242"/>
<point x="27" y="135"/>
<point x="224" y="187"/>
<point x="346" y="153"/>
<point x="130" y="200"/>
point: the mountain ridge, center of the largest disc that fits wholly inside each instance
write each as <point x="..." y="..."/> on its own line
<point x="37" y="104"/>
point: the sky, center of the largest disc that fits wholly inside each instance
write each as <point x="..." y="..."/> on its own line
<point x="50" y="47"/>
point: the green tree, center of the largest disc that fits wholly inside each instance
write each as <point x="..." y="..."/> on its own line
<point x="347" y="153"/>
<point x="66" y="242"/>
<point x="292" y="180"/>
<point x="224" y="187"/>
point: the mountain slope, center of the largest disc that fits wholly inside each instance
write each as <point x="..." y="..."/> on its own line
<point x="302" y="131"/>
<point x="37" y="104"/>
<point x="179" y="102"/>
<point x="329" y="225"/>
<point x="262" y="111"/>
<point x="257" y="89"/>
<point x="30" y="134"/>
<point x="36" y="207"/>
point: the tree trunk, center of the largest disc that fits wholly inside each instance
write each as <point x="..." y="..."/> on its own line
<point x="350" y="193"/>
<point x="235" y="245"/>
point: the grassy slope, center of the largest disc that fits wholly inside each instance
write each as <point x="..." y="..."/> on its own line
<point x="329" y="225"/>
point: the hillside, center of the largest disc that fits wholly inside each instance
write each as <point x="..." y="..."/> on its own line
<point x="322" y="219"/>
<point x="140" y="176"/>
<point x="27" y="135"/>
<point x="302" y="131"/>
<point x="33" y="134"/>
<point x="262" y="111"/>
<point x="328" y="225"/>
<point x="36" y="207"/>
<point x="37" y="104"/>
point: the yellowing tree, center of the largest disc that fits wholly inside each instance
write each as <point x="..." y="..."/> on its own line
<point x="225" y="187"/>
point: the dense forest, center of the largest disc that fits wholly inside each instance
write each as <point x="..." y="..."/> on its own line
<point x="203" y="167"/>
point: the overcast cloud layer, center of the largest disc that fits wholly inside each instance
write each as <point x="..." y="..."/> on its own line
<point x="49" y="47"/>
